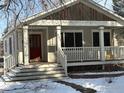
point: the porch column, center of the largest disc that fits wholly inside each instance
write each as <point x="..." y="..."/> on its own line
<point x="26" y="45"/>
<point x="58" y="33"/>
<point x="101" y="40"/>
<point x="58" y="28"/>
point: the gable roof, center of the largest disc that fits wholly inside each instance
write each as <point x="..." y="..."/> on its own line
<point x="89" y="3"/>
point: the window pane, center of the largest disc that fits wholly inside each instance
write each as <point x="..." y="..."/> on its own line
<point x="106" y="38"/>
<point x="78" y="39"/>
<point x="96" y="39"/>
<point x="5" y="45"/>
<point x="62" y="39"/>
<point x="69" y="39"/>
<point x="10" y="45"/>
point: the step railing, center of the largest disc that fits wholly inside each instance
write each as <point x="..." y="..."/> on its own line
<point x="9" y="63"/>
<point x="61" y="57"/>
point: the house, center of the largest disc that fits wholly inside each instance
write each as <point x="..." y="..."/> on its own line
<point x="77" y="33"/>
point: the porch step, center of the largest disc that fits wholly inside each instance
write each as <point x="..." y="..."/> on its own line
<point x="34" y="72"/>
<point x="40" y="66"/>
<point x="56" y="77"/>
<point x="24" y="70"/>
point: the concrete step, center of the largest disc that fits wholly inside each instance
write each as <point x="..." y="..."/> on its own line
<point x="17" y="70"/>
<point x="56" y="76"/>
<point x="11" y="74"/>
<point x="39" y="66"/>
<point x="34" y="72"/>
<point x="6" y="78"/>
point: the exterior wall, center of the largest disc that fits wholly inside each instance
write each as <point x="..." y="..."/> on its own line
<point x="7" y="53"/>
<point x="88" y="34"/>
<point x="87" y="37"/>
<point x="20" y="47"/>
<point x="52" y="44"/>
<point x="44" y="48"/>
<point x="78" y="11"/>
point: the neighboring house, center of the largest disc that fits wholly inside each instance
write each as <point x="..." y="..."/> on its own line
<point x="77" y="33"/>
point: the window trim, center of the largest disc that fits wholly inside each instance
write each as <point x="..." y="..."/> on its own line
<point x="73" y="31"/>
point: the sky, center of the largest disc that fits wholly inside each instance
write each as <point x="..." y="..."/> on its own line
<point x="102" y="2"/>
<point x="108" y="4"/>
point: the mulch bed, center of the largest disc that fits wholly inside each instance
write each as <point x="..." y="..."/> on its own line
<point x="77" y="87"/>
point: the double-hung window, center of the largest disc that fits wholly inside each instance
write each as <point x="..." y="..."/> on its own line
<point x="71" y="39"/>
<point x="10" y="45"/>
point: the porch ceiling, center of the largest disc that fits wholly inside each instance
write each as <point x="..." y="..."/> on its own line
<point x="76" y="23"/>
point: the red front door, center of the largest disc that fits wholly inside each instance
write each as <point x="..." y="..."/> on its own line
<point x="35" y="47"/>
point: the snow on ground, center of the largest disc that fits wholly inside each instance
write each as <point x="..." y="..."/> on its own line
<point x="39" y="86"/>
<point x="101" y="85"/>
<point x="48" y="86"/>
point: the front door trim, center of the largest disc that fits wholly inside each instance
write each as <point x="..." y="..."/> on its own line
<point x="41" y="43"/>
<point x="32" y="30"/>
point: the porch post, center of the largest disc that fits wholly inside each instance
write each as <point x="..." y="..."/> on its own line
<point x="58" y="33"/>
<point x="26" y="45"/>
<point x="58" y="28"/>
<point x="101" y="38"/>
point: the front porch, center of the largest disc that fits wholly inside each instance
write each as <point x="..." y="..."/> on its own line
<point x="91" y="43"/>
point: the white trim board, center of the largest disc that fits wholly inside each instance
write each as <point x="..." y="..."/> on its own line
<point x="76" y="23"/>
<point x="94" y="63"/>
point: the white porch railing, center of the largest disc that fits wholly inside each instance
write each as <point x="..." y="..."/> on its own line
<point x="92" y="53"/>
<point x="114" y="53"/>
<point x="82" y="53"/>
<point x="61" y="57"/>
<point x="9" y="63"/>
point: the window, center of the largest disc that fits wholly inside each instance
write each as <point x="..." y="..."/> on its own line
<point x="10" y="45"/>
<point x="96" y="39"/>
<point x="106" y="38"/>
<point x="5" y="45"/>
<point x="71" y="39"/>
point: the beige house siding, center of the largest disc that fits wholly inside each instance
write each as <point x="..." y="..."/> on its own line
<point x="87" y="38"/>
<point x="7" y="46"/>
<point x="52" y="44"/>
<point x="20" y="47"/>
